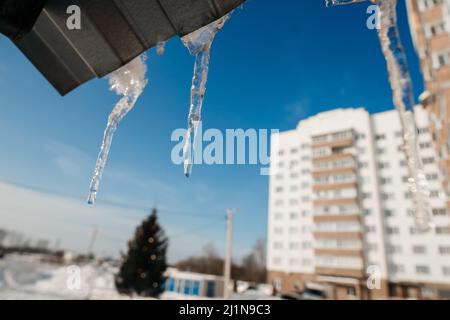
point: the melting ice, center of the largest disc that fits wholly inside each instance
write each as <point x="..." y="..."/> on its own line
<point x="199" y="45"/>
<point x="403" y="97"/>
<point x="129" y="82"/>
<point x="161" y="48"/>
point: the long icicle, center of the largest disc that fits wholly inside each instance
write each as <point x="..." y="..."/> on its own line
<point x="402" y="89"/>
<point x="128" y="81"/>
<point x="199" y="44"/>
<point x="403" y="97"/>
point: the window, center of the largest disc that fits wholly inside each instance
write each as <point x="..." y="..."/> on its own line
<point x="351" y="291"/>
<point x="306" y="245"/>
<point x="363" y="165"/>
<point x="293" y="262"/>
<point x="277" y="260"/>
<point x="384" y="181"/>
<point x="394" y="249"/>
<point x="278" y="245"/>
<point x="446" y="271"/>
<point x="434" y="29"/>
<point x="278" y="216"/>
<point x="388" y="213"/>
<point x="444" y="250"/>
<point x="428" y="160"/>
<point x="432" y="177"/>
<point x="441" y="59"/>
<point x="425" y="145"/>
<point x="383" y="165"/>
<point x="434" y="194"/>
<point x="360" y="136"/>
<point x="425" y="5"/>
<point x="306" y="262"/>
<point x="442" y="230"/>
<point x="439" y="212"/>
<point x="419" y="250"/>
<point x="380" y="137"/>
<point x="396" y="268"/>
<point x="387" y="196"/>
<point x="279" y="189"/>
<point x="422" y="270"/>
<point x="392" y="230"/>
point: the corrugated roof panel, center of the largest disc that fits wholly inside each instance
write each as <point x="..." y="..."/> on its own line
<point x="113" y="32"/>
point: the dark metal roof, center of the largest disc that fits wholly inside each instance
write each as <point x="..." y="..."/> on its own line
<point x="113" y="32"/>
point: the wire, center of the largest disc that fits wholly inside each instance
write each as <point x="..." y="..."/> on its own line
<point x="190" y="231"/>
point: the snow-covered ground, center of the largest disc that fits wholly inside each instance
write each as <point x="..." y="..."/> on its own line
<point x="27" y="277"/>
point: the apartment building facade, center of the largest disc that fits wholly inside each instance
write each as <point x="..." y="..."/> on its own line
<point x="340" y="211"/>
<point x="430" y="29"/>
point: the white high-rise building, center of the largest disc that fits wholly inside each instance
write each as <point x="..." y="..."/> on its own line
<point x="340" y="211"/>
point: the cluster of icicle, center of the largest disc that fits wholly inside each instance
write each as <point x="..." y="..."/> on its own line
<point x="402" y="88"/>
<point x="199" y="45"/>
<point x="129" y="82"/>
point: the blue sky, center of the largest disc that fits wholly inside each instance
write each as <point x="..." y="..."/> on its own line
<point x="273" y="64"/>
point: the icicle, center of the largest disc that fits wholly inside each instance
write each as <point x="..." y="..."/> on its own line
<point x="403" y="97"/>
<point x="199" y="44"/>
<point x="128" y="81"/>
<point x="161" y="48"/>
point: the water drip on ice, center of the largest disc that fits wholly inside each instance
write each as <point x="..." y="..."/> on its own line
<point x="199" y="45"/>
<point x="161" y="48"/>
<point x="129" y="82"/>
<point x="402" y="88"/>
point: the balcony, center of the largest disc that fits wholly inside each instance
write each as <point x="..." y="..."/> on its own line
<point x="333" y="171"/>
<point x="336" y="202"/>
<point x="341" y="272"/>
<point x="336" y="218"/>
<point x="339" y="253"/>
<point x="337" y="235"/>
<point x="332" y="157"/>
<point x="335" y="186"/>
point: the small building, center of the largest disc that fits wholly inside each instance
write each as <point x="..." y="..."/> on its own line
<point x="194" y="285"/>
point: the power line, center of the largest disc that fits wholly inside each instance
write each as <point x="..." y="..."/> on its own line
<point x="138" y="207"/>
<point x="196" y="229"/>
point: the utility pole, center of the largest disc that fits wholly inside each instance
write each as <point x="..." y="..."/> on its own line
<point x="92" y="242"/>
<point x="228" y="254"/>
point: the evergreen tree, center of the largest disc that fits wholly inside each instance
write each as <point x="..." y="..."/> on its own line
<point x="143" y="267"/>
